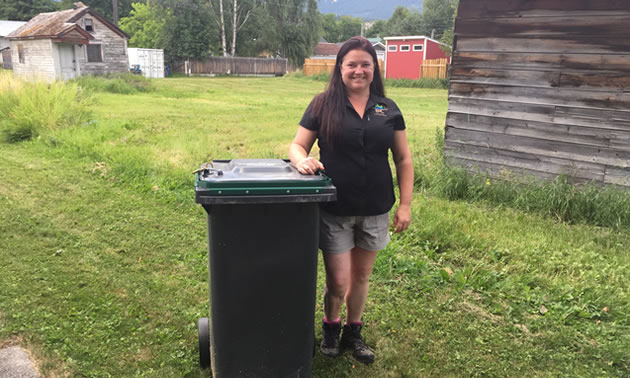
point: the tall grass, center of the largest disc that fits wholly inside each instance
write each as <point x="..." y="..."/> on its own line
<point x="29" y="109"/>
<point x="589" y="203"/>
<point x="116" y="83"/>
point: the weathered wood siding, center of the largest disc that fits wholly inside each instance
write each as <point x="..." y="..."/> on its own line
<point x="113" y="47"/>
<point x="39" y="63"/>
<point x="542" y="88"/>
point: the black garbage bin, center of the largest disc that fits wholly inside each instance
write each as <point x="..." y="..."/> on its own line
<point x="263" y="225"/>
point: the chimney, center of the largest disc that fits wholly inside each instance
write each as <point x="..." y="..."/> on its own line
<point x="78" y="5"/>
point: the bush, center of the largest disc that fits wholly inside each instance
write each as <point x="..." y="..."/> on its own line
<point x="29" y="109"/>
<point x="116" y="83"/>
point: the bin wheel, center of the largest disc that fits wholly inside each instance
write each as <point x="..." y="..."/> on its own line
<point x="204" y="343"/>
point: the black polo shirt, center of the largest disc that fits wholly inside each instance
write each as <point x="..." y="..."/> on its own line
<point x="358" y="165"/>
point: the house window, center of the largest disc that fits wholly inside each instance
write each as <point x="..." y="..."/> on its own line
<point x="404" y="47"/>
<point x="94" y="53"/>
<point x="88" y="24"/>
<point x="417" y="47"/>
<point x="392" y="48"/>
<point x="21" y="54"/>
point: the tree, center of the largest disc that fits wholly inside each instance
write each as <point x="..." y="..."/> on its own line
<point x="239" y="17"/>
<point x="378" y="29"/>
<point x="405" y="21"/>
<point x="24" y="10"/>
<point x="349" y="27"/>
<point x="449" y="34"/>
<point x="221" y="24"/>
<point x="437" y="16"/>
<point x="340" y="29"/>
<point x="189" y="32"/>
<point x="287" y="28"/>
<point x="146" y="25"/>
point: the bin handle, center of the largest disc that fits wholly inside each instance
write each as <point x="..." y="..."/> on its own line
<point x="208" y="169"/>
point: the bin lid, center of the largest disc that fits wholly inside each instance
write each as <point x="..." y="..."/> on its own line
<point x="259" y="181"/>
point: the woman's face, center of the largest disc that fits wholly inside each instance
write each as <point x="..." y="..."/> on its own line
<point x="357" y="70"/>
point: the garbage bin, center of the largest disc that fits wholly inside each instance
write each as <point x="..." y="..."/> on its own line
<point x="263" y="226"/>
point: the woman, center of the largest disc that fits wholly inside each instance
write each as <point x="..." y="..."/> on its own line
<point x="356" y="126"/>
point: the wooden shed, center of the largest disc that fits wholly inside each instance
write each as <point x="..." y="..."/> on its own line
<point x="541" y="88"/>
<point x="65" y="44"/>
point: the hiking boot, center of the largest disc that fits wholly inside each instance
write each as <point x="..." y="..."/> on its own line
<point x="351" y="339"/>
<point x="330" y="340"/>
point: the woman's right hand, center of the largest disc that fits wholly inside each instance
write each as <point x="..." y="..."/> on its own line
<point x="309" y="166"/>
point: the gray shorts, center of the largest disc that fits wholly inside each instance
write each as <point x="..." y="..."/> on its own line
<point x="339" y="234"/>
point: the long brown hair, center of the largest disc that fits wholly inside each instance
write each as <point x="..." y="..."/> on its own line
<point x="328" y="106"/>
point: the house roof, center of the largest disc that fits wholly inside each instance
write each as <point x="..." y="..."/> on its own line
<point x="58" y="24"/>
<point x="324" y="48"/>
<point x="6" y="27"/>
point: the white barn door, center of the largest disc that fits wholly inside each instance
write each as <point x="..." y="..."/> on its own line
<point x="68" y="61"/>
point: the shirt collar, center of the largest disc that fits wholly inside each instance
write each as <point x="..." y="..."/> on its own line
<point x="372" y="100"/>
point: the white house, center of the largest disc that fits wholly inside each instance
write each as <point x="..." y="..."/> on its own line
<point x="62" y="45"/>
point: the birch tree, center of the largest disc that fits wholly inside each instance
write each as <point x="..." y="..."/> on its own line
<point x="237" y="24"/>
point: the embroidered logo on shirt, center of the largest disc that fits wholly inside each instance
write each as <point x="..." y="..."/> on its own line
<point x="380" y="110"/>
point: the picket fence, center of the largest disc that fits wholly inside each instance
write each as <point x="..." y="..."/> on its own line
<point x="434" y="68"/>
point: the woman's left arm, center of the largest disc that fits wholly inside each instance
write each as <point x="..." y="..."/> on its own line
<point x="404" y="173"/>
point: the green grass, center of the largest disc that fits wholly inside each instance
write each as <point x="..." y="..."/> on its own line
<point x="104" y="251"/>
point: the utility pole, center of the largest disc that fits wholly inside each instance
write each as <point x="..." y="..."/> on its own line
<point x="115" y="11"/>
<point x="432" y="33"/>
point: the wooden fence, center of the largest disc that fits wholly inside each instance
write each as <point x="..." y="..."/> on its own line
<point x="318" y="66"/>
<point x="434" y="68"/>
<point x="219" y="65"/>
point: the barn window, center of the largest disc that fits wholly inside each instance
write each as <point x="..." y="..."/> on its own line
<point x="417" y="47"/>
<point x="404" y="47"/>
<point x="88" y="24"/>
<point x="94" y="53"/>
<point x="20" y="53"/>
<point x="392" y="48"/>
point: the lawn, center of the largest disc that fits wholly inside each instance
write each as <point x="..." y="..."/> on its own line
<point x="103" y="250"/>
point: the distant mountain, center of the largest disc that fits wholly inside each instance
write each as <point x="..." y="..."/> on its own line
<point x="368" y="10"/>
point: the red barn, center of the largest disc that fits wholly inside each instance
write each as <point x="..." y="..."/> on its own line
<point x="405" y="55"/>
